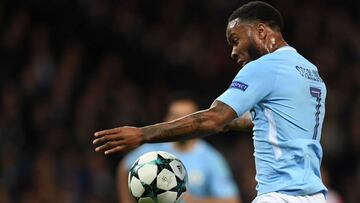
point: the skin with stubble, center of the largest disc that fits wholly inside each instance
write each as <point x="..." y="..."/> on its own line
<point x="249" y="41"/>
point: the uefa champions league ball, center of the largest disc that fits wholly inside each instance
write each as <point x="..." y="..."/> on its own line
<point x="158" y="177"/>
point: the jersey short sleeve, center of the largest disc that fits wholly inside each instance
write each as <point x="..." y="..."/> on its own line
<point x="252" y="84"/>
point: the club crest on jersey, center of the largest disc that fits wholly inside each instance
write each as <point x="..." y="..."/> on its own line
<point x="239" y="85"/>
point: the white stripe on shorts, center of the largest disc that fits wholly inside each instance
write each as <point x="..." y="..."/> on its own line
<point x="275" y="197"/>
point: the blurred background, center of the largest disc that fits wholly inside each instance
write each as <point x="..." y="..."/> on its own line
<point x="71" y="67"/>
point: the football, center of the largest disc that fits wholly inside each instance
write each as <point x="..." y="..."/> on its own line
<point x="158" y="177"/>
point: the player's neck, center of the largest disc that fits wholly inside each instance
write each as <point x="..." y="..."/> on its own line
<point x="279" y="45"/>
<point x="274" y="42"/>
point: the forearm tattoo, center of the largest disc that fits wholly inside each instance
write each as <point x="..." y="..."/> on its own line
<point x="185" y="128"/>
<point x="198" y="124"/>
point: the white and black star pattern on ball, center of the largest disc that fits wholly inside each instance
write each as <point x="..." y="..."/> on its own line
<point x="158" y="177"/>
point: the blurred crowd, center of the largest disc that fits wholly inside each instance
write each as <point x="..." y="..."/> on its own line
<point x="71" y="67"/>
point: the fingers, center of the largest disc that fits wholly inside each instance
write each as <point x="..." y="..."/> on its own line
<point x="117" y="139"/>
<point x="106" y="138"/>
<point x="107" y="142"/>
<point x="110" y="147"/>
<point x="107" y="132"/>
<point x="115" y="149"/>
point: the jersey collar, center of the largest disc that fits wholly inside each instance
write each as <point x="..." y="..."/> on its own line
<point x="285" y="48"/>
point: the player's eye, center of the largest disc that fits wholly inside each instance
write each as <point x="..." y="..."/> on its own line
<point x="235" y="41"/>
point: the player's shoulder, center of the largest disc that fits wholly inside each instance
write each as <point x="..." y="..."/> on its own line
<point x="277" y="56"/>
<point x="284" y="56"/>
<point x="270" y="59"/>
<point x="288" y="55"/>
<point x="260" y="67"/>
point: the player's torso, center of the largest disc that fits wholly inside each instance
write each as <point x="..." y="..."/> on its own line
<point x="287" y="125"/>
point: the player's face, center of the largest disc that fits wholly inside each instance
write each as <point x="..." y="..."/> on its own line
<point x="243" y="39"/>
<point x="179" y="109"/>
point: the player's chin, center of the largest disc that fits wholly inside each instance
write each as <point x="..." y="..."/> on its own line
<point x="242" y="63"/>
<point x="245" y="62"/>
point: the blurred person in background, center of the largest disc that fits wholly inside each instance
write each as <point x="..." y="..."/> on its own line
<point x="210" y="179"/>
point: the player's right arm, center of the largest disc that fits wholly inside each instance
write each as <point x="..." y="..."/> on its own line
<point x="198" y="124"/>
<point x="253" y="83"/>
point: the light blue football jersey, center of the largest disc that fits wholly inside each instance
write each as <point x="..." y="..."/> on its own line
<point x="208" y="172"/>
<point x="286" y="98"/>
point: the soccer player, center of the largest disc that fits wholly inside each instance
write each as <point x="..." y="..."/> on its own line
<point x="285" y="96"/>
<point x="210" y="180"/>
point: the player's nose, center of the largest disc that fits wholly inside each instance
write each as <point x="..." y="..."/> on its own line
<point x="234" y="54"/>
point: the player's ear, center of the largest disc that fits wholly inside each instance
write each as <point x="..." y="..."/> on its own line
<point x="261" y="30"/>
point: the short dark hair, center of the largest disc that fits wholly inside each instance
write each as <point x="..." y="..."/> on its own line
<point x="259" y="11"/>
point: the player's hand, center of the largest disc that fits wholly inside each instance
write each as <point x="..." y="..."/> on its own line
<point x="118" y="139"/>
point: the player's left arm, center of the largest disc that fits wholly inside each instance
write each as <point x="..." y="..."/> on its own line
<point x="242" y="123"/>
<point x="198" y="124"/>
